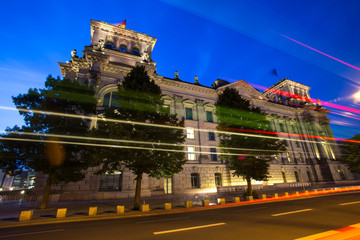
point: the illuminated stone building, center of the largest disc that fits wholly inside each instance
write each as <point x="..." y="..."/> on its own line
<point x="112" y="54"/>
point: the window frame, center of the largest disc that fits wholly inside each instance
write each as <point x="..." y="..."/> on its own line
<point x="115" y="178"/>
<point x="213" y="155"/>
<point x="189" y="116"/>
<point x="211" y="136"/>
<point x="195" y="180"/>
<point x="209" y="116"/>
<point x="191" y="156"/>
<point x="190" y="133"/>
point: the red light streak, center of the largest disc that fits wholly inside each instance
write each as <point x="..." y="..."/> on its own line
<point x="288" y="134"/>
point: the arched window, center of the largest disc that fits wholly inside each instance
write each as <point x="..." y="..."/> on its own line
<point x="111" y="99"/>
<point x="195" y="180"/>
<point x="123" y="48"/>
<point x="136" y="51"/>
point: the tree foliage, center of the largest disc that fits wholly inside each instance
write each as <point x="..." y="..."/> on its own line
<point x="41" y="143"/>
<point x="245" y="144"/>
<point x="350" y="151"/>
<point x="142" y="149"/>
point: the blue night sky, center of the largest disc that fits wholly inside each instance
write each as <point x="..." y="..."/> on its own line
<point x="230" y="40"/>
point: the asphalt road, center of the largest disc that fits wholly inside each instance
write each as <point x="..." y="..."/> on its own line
<point x="274" y="220"/>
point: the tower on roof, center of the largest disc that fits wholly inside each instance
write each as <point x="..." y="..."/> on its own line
<point x="121" y="39"/>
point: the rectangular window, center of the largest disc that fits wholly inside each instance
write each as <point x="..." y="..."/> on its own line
<point x="191" y="152"/>
<point x="188" y="113"/>
<point x="218" y="180"/>
<point x="297" y="179"/>
<point x="213" y="154"/>
<point x="195" y="180"/>
<point x="111" y="181"/>
<point x="288" y="157"/>
<point x="211" y="136"/>
<point x="282" y="127"/>
<point x="190" y="134"/>
<point x="209" y="116"/>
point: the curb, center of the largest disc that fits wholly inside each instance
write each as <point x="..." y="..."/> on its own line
<point x="291" y="197"/>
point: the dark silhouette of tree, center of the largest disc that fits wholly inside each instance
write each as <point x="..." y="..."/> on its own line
<point x="245" y="145"/>
<point x="50" y="116"/>
<point x="350" y="151"/>
<point x="140" y="101"/>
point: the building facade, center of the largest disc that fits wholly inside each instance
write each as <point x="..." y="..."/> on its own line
<point x="114" y="51"/>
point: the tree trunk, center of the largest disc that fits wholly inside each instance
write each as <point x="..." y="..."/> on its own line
<point x="248" y="180"/>
<point x="137" y="192"/>
<point x="46" y="195"/>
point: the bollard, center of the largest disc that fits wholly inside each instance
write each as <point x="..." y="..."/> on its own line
<point x="26" y="215"/>
<point x="286" y="194"/>
<point x="92" y="211"/>
<point x="205" y="203"/>
<point x="250" y="198"/>
<point x="276" y="195"/>
<point x="145" y="207"/>
<point x="236" y="199"/>
<point x="264" y="196"/>
<point x="221" y="201"/>
<point x="167" y="206"/>
<point x="188" y="204"/>
<point x="120" y="209"/>
<point x="297" y="193"/>
<point x="61" y="213"/>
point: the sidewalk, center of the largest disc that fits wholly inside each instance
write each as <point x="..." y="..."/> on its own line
<point x="78" y="210"/>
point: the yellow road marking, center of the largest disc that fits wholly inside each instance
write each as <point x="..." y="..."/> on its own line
<point x="285" y="213"/>
<point x="348" y="203"/>
<point x="189" y="228"/>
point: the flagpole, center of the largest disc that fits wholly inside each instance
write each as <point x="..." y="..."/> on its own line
<point x="275" y="72"/>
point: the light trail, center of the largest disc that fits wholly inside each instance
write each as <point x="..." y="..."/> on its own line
<point x="176" y="127"/>
<point x="130" y="141"/>
<point x="327" y="55"/>
<point x="310" y="100"/>
<point x="118" y="146"/>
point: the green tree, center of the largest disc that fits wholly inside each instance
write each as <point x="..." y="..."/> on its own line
<point x="350" y="151"/>
<point x="145" y="148"/>
<point x="243" y="139"/>
<point x="50" y="116"/>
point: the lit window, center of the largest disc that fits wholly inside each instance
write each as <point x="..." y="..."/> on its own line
<point x="191" y="152"/>
<point x="209" y="116"/>
<point x="218" y="180"/>
<point x="300" y="158"/>
<point x="211" y="136"/>
<point x="190" y="133"/>
<point x="111" y="181"/>
<point x="288" y="157"/>
<point x="188" y="113"/>
<point x="213" y="154"/>
<point x="195" y="180"/>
